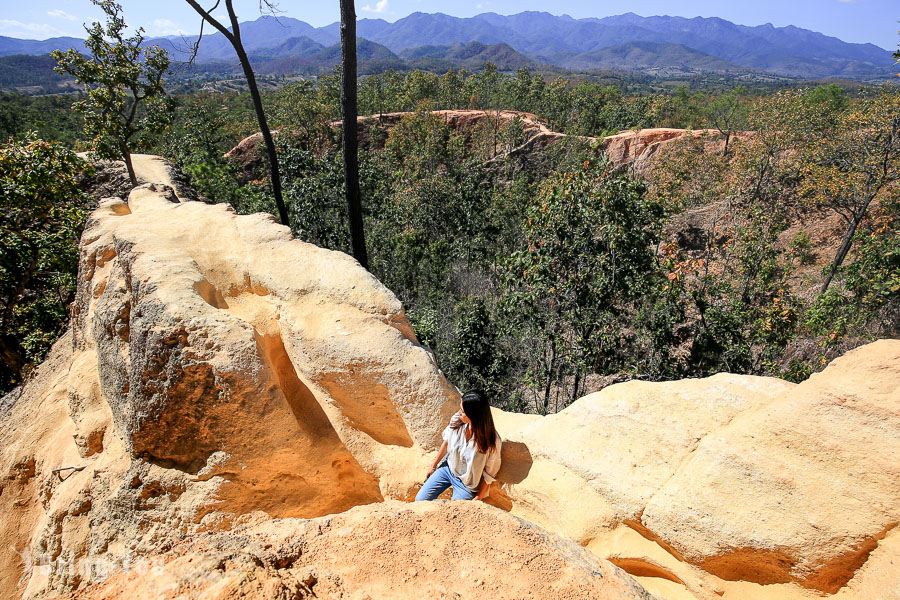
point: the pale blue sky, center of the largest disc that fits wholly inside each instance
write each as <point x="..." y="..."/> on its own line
<point x="873" y="21"/>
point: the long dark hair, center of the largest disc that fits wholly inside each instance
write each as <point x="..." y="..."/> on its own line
<point x="476" y="406"/>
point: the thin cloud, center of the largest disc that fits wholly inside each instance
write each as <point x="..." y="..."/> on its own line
<point x="166" y="27"/>
<point x="61" y="14"/>
<point x="17" y="29"/>
<point x="380" y="7"/>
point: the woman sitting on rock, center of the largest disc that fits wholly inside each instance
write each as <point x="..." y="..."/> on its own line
<point x="472" y="447"/>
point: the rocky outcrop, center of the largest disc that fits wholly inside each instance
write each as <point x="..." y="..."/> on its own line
<point x="802" y="489"/>
<point x="637" y="150"/>
<point x="633" y="149"/>
<point x="249" y="151"/>
<point x="748" y="478"/>
<point x="224" y="387"/>
<point x="110" y="177"/>
<point x="215" y="367"/>
<point x="246" y="317"/>
<point x="460" y="120"/>
<point x="614" y="449"/>
<point x="462" y="550"/>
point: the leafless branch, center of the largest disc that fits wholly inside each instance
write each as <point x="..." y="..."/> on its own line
<point x="270" y="7"/>
<point x="207" y="18"/>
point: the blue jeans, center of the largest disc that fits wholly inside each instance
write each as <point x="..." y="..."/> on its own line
<point x="439" y="481"/>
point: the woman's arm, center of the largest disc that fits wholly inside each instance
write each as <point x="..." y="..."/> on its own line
<point x="443" y="449"/>
<point x="482" y="489"/>
<point x="437" y="459"/>
<point x="491" y="467"/>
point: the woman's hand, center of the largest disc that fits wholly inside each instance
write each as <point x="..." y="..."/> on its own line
<point x="431" y="470"/>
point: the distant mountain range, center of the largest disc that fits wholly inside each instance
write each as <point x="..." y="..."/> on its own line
<point x="624" y="42"/>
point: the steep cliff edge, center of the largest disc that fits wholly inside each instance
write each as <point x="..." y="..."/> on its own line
<point x="748" y="478"/>
<point x="224" y="388"/>
<point x="633" y="149"/>
<point x="215" y="366"/>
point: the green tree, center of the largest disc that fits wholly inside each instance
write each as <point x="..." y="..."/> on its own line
<point x="557" y="104"/>
<point x="51" y="116"/>
<point x="475" y="357"/>
<point x="728" y="113"/>
<point x="516" y="90"/>
<point x="314" y="189"/>
<point x="483" y="88"/>
<point x="233" y="35"/>
<point x="897" y="59"/>
<point x="867" y="306"/>
<point x="422" y="142"/>
<point x="125" y="96"/>
<point x="196" y="142"/>
<point x="858" y="163"/>
<point x="588" y="102"/>
<point x="419" y="86"/>
<point x="378" y="94"/>
<point x="42" y="213"/>
<point x="590" y="237"/>
<point x="831" y="97"/>
<point x="687" y="107"/>
<point x="451" y="89"/>
<point x="298" y="111"/>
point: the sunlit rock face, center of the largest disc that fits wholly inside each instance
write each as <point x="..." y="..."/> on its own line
<point x="747" y="478"/>
<point x="245" y="410"/>
<point x="215" y="367"/>
<point x="464" y="550"/>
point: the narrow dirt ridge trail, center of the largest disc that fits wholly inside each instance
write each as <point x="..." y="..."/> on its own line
<point x="151" y="168"/>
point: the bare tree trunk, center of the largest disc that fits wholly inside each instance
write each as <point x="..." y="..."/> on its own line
<point x="234" y="37"/>
<point x="349" y="126"/>
<point x="577" y="384"/>
<point x="549" y="381"/>
<point x="126" y="156"/>
<point x="275" y="171"/>
<point x="841" y="253"/>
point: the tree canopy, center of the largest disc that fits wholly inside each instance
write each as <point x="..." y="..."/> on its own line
<point x="125" y="96"/>
<point x="42" y="210"/>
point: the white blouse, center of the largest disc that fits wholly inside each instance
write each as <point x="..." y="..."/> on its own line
<point x="463" y="456"/>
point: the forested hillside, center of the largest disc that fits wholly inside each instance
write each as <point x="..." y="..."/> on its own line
<point x="542" y="272"/>
<point x="622" y="294"/>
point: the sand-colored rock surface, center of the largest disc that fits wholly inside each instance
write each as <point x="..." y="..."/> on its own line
<point x="751" y="479"/>
<point x="389" y="550"/>
<point x="816" y="473"/>
<point x="638" y="149"/>
<point x="223" y="387"/>
<point x="633" y="149"/>
<point x="215" y="367"/>
<point x="619" y="446"/>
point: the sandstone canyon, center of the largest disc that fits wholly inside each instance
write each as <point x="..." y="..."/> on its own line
<point x="633" y="149"/>
<point x="236" y="413"/>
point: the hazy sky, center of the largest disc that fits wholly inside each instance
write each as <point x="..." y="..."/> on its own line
<point x="873" y="21"/>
